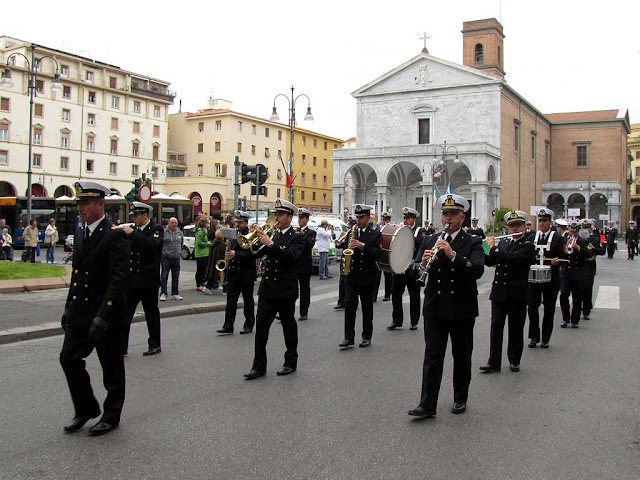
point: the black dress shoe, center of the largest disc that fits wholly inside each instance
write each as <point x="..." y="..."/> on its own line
<point x="245" y="330"/>
<point x="564" y="324"/>
<point x="364" y="343"/>
<point x="514" y="367"/>
<point x="585" y="316"/>
<point x="458" y="407"/>
<point x="77" y="423"/>
<point x="125" y="353"/>
<point x="394" y="325"/>
<point x="544" y="345"/>
<point x="151" y="351"/>
<point x="574" y="325"/>
<point x="303" y="318"/>
<point x="285" y="371"/>
<point x="532" y="343"/>
<point x="413" y="327"/>
<point x="254" y="374"/>
<point x="421" y="412"/>
<point x="101" y="428"/>
<point x="339" y="306"/>
<point x="346" y="344"/>
<point x="488" y="368"/>
<point x="225" y="331"/>
<point x="386" y="299"/>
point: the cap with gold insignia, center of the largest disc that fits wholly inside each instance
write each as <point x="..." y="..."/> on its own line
<point x="352" y="218"/>
<point x="139" y="207"/>
<point x="561" y="222"/>
<point x="362" y="210"/>
<point x="631" y="222"/>
<point x="303" y="212"/>
<point x="585" y="223"/>
<point x="474" y="219"/>
<point x="410" y="212"/>
<point x="515" y="216"/>
<point x="240" y="216"/>
<point x="451" y="201"/>
<point x="574" y="226"/>
<point x="282" y="206"/>
<point x="386" y="216"/>
<point x="85" y="190"/>
<point x="545" y="214"/>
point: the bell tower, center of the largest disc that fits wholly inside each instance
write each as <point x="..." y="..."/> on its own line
<point x="483" y="46"/>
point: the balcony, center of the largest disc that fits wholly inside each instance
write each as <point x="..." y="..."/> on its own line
<point x="177" y="162"/>
<point x="152" y="91"/>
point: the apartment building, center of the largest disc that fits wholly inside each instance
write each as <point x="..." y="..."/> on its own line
<point x="107" y="124"/>
<point x="634" y="148"/>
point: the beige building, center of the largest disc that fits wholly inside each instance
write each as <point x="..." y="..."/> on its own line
<point x="108" y="124"/>
<point x="634" y="148"/>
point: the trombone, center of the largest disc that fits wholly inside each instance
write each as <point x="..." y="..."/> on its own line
<point x="251" y="241"/>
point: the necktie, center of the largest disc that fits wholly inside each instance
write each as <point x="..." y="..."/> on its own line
<point x="542" y="240"/>
<point x="449" y="239"/>
<point x="86" y="233"/>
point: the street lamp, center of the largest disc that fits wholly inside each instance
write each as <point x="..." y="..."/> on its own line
<point x="292" y="123"/>
<point x="32" y="72"/>
<point x="438" y="167"/>
<point x="587" y="210"/>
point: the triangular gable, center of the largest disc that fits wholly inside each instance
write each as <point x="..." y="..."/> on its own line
<point x="425" y="72"/>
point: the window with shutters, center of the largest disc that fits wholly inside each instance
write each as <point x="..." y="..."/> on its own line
<point x="89" y="166"/>
<point x="5" y="103"/>
<point x="64" y="163"/>
<point x="4" y="132"/>
<point x="37" y="136"/>
<point x="37" y="160"/>
<point x="66" y="115"/>
<point x="38" y="110"/>
<point x="114" y="146"/>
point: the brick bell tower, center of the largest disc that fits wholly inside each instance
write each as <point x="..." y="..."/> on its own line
<point x="483" y="46"/>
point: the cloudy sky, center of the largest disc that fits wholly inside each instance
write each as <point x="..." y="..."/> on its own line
<point x="562" y="55"/>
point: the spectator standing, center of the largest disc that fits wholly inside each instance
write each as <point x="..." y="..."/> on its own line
<point x="30" y="241"/>
<point x="172" y="242"/>
<point x="201" y="251"/>
<point x="50" y="240"/>
<point x="6" y="241"/>
<point x="216" y="252"/>
<point x="323" y="241"/>
<point x="611" y="235"/>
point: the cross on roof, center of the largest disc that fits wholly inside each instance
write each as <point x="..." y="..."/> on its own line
<point x="425" y="37"/>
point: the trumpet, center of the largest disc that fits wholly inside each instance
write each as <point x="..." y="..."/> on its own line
<point x="252" y="240"/>
<point x="347" y="253"/>
<point x="570" y="244"/>
<point x="223" y="264"/>
<point x="424" y="271"/>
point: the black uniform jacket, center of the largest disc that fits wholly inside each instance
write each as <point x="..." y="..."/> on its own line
<point x="597" y="249"/>
<point x="556" y="251"/>
<point x="242" y="268"/>
<point x="512" y="260"/>
<point x="363" y="261"/>
<point x="612" y="234"/>
<point x="575" y="268"/>
<point x="306" y="262"/>
<point x="280" y="278"/>
<point x="631" y="236"/>
<point x="146" y="248"/>
<point x="451" y="291"/>
<point x="478" y="232"/>
<point x="99" y="278"/>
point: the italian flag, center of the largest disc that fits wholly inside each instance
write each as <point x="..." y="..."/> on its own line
<point x="436" y="194"/>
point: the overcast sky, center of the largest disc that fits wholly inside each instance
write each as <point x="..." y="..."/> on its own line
<point x="561" y="55"/>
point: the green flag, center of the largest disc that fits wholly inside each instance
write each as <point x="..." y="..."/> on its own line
<point x="436" y="194"/>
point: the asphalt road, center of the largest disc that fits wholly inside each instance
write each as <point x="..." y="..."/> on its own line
<point x="570" y="413"/>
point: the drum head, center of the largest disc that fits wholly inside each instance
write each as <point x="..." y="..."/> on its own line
<point x="401" y="253"/>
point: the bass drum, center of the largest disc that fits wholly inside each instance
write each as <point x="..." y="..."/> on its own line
<point x="397" y="248"/>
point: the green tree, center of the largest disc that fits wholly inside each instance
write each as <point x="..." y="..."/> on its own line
<point x="495" y="226"/>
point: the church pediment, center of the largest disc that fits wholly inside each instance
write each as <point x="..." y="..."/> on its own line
<point x="425" y="72"/>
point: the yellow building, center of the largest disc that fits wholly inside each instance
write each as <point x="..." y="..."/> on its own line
<point x="634" y="147"/>
<point x="313" y="169"/>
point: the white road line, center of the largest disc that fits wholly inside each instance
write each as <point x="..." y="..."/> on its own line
<point x="608" y="297"/>
<point x="324" y="296"/>
<point x="484" y="288"/>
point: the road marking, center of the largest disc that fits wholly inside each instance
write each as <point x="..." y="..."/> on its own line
<point x="484" y="288"/>
<point x="608" y="297"/>
<point x="324" y="296"/>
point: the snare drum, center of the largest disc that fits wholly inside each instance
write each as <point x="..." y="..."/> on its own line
<point x="540" y="274"/>
<point x="397" y="248"/>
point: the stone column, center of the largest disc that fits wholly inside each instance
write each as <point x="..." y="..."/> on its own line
<point x="381" y="192"/>
<point x="427" y="192"/>
<point x="338" y="198"/>
<point x="480" y="198"/>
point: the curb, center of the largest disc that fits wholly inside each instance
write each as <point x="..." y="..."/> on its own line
<point x="33" y="284"/>
<point x="52" y="329"/>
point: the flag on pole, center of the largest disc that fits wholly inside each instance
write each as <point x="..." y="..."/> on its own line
<point x="449" y="192"/>
<point x="436" y="194"/>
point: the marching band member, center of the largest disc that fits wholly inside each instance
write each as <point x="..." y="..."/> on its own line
<point x="631" y="238"/>
<point x="598" y="249"/>
<point x="359" y="282"/>
<point x="456" y="263"/>
<point x="388" y="276"/>
<point x="342" y="244"/>
<point x="241" y="276"/>
<point x="512" y="258"/>
<point x="611" y="235"/>
<point x="549" y="244"/>
<point x="306" y="262"/>
<point x="407" y="279"/>
<point x="572" y="275"/>
<point x="475" y="229"/>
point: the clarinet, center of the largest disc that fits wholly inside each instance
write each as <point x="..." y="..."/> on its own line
<point x="424" y="271"/>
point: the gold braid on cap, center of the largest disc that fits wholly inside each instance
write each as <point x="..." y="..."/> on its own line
<point x="450" y="204"/>
<point x="278" y="204"/>
<point x="358" y="208"/>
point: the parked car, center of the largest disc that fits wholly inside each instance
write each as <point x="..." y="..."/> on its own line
<point x="189" y="245"/>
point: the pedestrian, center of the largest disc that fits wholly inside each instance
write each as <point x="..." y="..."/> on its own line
<point x="611" y="235"/>
<point x="95" y="311"/>
<point x="407" y="279"/>
<point x="364" y="243"/>
<point x="573" y="276"/>
<point x="323" y="243"/>
<point x="597" y="249"/>
<point x="278" y="290"/>
<point x="305" y="267"/>
<point x="512" y="258"/>
<point x="50" y="240"/>
<point x="201" y="250"/>
<point x="241" y="276"/>
<point x="30" y="241"/>
<point x="144" y="276"/>
<point x="549" y="244"/>
<point x="3" y="226"/>
<point x="458" y="262"/>
<point x="631" y="238"/>
<point x="6" y="242"/>
<point x="172" y="241"/>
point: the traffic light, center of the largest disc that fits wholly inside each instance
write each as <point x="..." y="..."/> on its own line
<point x="248" y="173"/>
<point x="132" y="196"/>
<point x="146" y="180"/>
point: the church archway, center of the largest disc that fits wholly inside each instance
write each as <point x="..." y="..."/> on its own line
<point x="403" y="188"/>
<point x="63" y="190"/>
<point x="555" y="202"/>
<point x="576" y="200"/>
<point x="598" y="205"/>
<point x="362" y="185"/>
<point x="7" y="190"/>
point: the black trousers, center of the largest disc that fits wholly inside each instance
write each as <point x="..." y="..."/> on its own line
<point x="234" y="289"/>
<point x="397" y="290"/>
<point x="75" y="349"/>
<point x="267" y="310"/>
<point x="388" y="279"/>
<point x="376" y="286"/>
<point x="587" y="295"/>
<point x="631" y="250"/>
<point x="573" y="287"/>
<point x="201" y="270"/>
<point x="436" y="335"/>
<point x="611" y="249"/>
<point x="515" y="313"/>
<point x="358" y="287"/>
<point x="304" y="280"/>
<point x="547" y="294"/>
<point x="341" y="290"/>
<point x="149" y="299"/>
